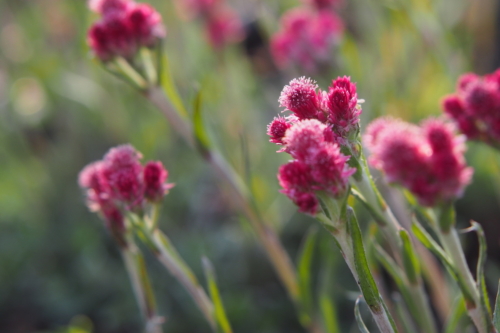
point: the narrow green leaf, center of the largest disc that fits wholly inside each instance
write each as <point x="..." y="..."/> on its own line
<point x="361" y="325"/>
<point x="458" y="312"/>
<point x="200" y="133"/>
<point x="496" y="313"/>
<point x="404" y="315"/>
<point x="304" y="274"/>
<point x="223" y="324"/>
<point x="366" y="281"/>
<point x="170" y="89"/>
<point x="176" y="257"/>
<point x="410" y="259"/>
<point x="481" y="284"/>
<point x="329" y="313"/>
<point x="146" y="284"/>
<point x="434" y="247"/>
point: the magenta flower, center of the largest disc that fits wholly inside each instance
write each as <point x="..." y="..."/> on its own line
<point x="306" y="38"/>
<point x="223" y="26"/>
<point x="338" y="109"/>
<point x="124" y="28"/>
<point x="318" y="165"/>
<point x="323" y="4"/>
<point x="427" y="160"/>
<point x="120" y="183"/>
<point x="475" y="107"/>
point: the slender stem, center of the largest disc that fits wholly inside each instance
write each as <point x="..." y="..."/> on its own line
<point x="390" y="227"/>
<point x="130" y="72"/>
<point x="142" y="289"/>
<point x="345" y="244"/>
<point x="149" y="67"/>
<point x="182" y="273"/>
<point x="275" y="250"/>
<point x="453" y="247"/>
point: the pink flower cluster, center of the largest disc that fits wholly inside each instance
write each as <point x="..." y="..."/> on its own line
<point x="119" y="182"/>
<point x="318" y="165"/>
<point x="338" y="107"/>
<point x="306" y="37"/>
<point x="222" y="24"/>
<point x="475" y="107"/>
<point x="124" y="28"/>
<point x="427" y="160"/>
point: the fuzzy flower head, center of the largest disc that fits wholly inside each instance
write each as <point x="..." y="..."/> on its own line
<point x="277" y="129"/>
<point x="124" y="28"/>
<point x="306" y="38"/>
<point x="318" y="165"/>
<point x="119" y="183"/>
<point x="475" y="107"/>
<point x="338" y="108"/>
<point x="427" y="160"/>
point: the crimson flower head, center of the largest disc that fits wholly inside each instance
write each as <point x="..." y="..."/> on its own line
<point x="301" y="98"/>
<point x="223" y="26"/>
<point x="306" y="38"/>
<point x="427" y="160"/>
<point x="119" y="183"/>
<point x="318" y="165"/>
<point x="277" y="129"/>
<point x="338" y="108"/>
<point x="124" y="28"/>
<point x="475" y="107"/>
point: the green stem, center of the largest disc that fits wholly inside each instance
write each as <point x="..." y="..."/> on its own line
<point x="267" y="236"/>
<point x="136" y="270"/>
<point x="130" y="72"/>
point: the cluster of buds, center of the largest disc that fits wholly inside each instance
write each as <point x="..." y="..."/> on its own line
<point x="338" y="108"/>
<point x="475" y="107"/>
<point x="222" y="24"/>
<point x="306" y="37"/>
<point x="124" y="28"/>
<point x="318" y="165"/>
<point x="427" y="160"/>
<point x="119" y="183"/>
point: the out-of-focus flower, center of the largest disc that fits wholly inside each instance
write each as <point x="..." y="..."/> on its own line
<point x="323" y="4"/>
<point x="306" y="38"/>
<point x="124" y="28"/>
<point x="223" y="26"/>
<point x="338" y="108"/>
<point x="318" y="165"/>
<point x="427" y="160"/>
<point x="119" y="183"/>
<point x="475" y="107"/>
<point x="221" y="23"/>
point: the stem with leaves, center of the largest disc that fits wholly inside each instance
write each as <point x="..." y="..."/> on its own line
<point x="141" y="285"/>
<point x="400" y="243"/>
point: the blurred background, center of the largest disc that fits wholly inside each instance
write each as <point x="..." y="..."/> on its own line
<point x="59" y="110"/>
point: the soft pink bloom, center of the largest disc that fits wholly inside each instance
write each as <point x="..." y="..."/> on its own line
<point x="306" y="38"/>
<point x="475" y="107"/>
<point x="427" y="160"/>
<point x="318" y="165"/>
<point x="276" y="130"/>
<point x="343" y="106"/>
<point x="120" y="183"/>
<point x="338" y="108"/>
<point x="301" y="98"/>
<point x="125" y="27"/>
<point x="223" y="26"/>
<point x="155" y="177"/>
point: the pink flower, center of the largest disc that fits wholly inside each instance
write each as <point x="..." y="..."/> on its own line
<point x="155" y="177"/>
<point x="338" y="109"/>
<point x="119" y="183"/>
<point x="301" y="98"/>
<point x="343" y="104"/>
<point x="318" y="165"/>
<point x="125" y="27"/>
<point x="427" y="160"/>
<point x="223" y="27"/>
<point x="306" y="38"/>
<point x="323" y="4"/>
<point x="475" y="107"/>
<point x="276" y="130"/>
